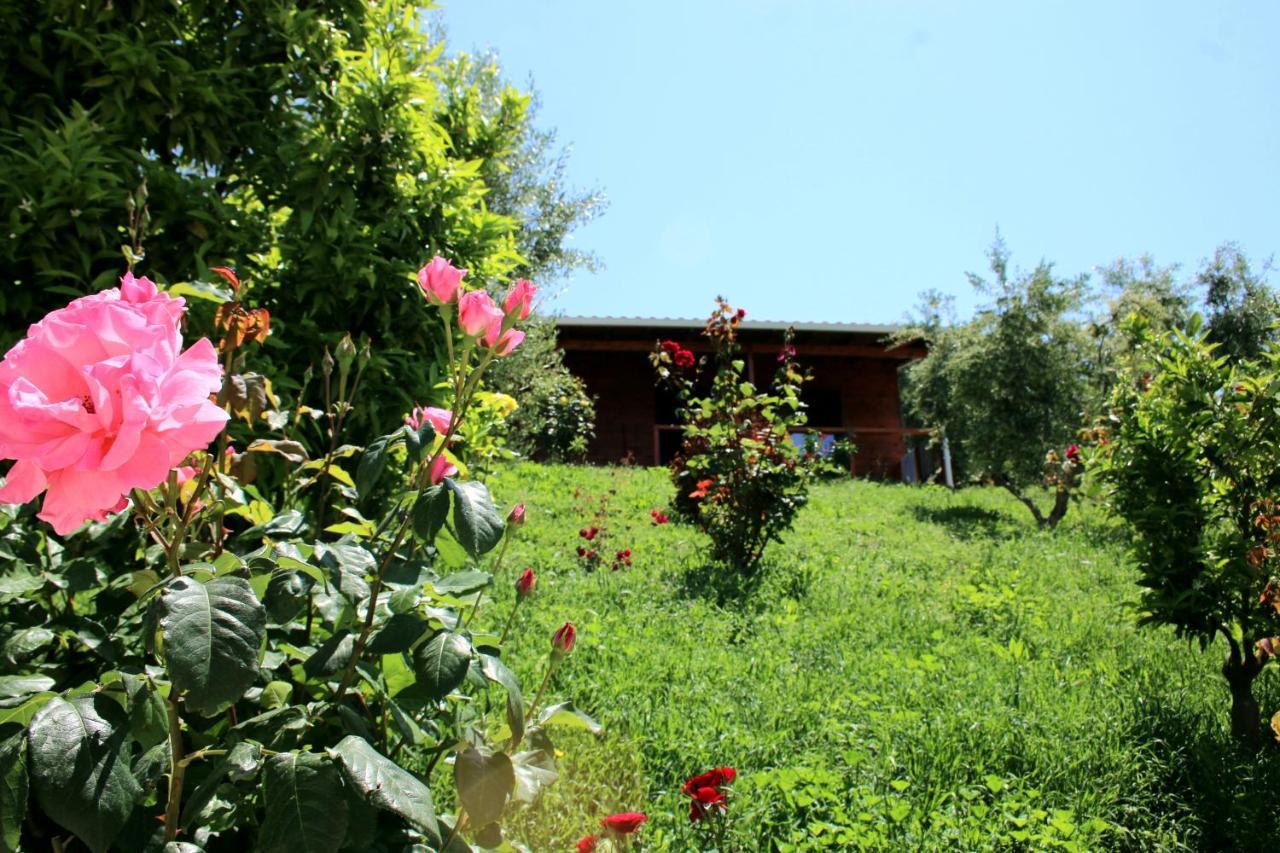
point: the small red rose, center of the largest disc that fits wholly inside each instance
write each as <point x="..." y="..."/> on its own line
<point x="624" y="823"/>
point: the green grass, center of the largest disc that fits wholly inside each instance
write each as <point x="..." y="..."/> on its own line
<point x="917" y="670"/>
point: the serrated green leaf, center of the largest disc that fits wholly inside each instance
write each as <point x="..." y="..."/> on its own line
<point x="332" y="657"/>
<point x="14" y="786"/>
<point x="306" y="811"/>
<point x="374" y="461"/>
<point x="441" y="663"/>
<point x="22" y="714"/>
<point x="212" y="635"/>
<point x="462" y="583"/>
<point x="397" y="634"/>
<point x="485" y="780"/>
<point x="79" y="762"/>
<point x="387" y="786"/>
<point x="475" y="519"/>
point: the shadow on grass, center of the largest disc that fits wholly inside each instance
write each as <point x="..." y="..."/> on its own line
<point x="969" y="522"/>
<point x="1217" y="793"/>
<point x="748" y="593"/>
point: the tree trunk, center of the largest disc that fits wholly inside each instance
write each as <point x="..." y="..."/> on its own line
<point x="1061" y="501"/>
<point x="1240" y="669"/>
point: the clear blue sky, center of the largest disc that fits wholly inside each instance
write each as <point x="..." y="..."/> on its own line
<point x="830" y="160"/>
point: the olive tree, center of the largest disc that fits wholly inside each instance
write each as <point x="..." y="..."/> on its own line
<point x="1008" y="387"/>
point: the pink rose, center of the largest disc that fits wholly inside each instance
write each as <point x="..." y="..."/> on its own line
<point x="518" y="303"/>
<point x="441" y="468"/>
<point x="440" y="281"/>
<point x="100" y="399"/>
<point x="502" y="344"/>
<point x="478" y="315"/>
<point x="440" y="419"/>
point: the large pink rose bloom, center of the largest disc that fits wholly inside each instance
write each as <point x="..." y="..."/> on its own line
<point x="100" y="399"/>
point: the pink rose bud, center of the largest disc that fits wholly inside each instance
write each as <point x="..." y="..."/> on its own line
<point x="440" y="419"/>
<point x="442" y="468"/>
<point x="562" y="640"/>
<point x="440" y="281"/>
<point x="478" y="315"/>
<point x="515" y="518"/>
<point x="502" y="344"/>
<point x="525" y="584"/>
<point x="518" y="303"/>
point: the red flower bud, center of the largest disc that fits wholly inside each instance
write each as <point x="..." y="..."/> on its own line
<point x="563" y="639"/>
<point x="515" y="518"/>
<point x="525" y="584"/>
<point x="587" y="845"/>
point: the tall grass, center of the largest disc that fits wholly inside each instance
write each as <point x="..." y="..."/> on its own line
<point x="918" y="669"/>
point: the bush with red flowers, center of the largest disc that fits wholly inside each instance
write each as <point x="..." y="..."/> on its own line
<point x="738" y="476"/>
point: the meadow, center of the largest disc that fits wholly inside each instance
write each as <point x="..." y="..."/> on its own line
<point x="916" y="669"/>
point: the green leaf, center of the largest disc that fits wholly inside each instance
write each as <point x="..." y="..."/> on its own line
<point x="14" y="689"/>
<point x="441" y="663"/>
<point x="22" y="714"/>
<point x="534" y="769"/>
<point x="485" y="780"/>
<point x="386" y="785"/>
<point x="566" y="715"/>
<point x="374" y="461"/>
<point x="430" y="512"/>
<point x="14" y="586"/>
<point x="13" y="791"/>
<point x="182" y="847"/>
<point x="305" y="808"/>
<point x="331" y="657"/>
<point x="201" y="290"/>
<point x="397" y="634"/>
<point x="496" y="671"/>
<point x="286" y="595"/>
<point x="461" y="583"/>
<point x="475" y="519"/>
<point x="212" y="635"/>
<point x="79" y="761"/>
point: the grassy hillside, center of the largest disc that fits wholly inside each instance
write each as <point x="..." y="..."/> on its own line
<point x="919" y="670"/>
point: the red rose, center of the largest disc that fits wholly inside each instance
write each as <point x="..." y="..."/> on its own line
<point x="624" y="823"/>
<point x="525" y="583"/>
<point x="716" y="778"/>
<point x="684" y="358"/>
<point x="587" y="845"/>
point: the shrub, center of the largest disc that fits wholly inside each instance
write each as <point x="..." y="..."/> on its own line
<point x="555" y="421"/>
<point x="739" y="475"/>
<point x="232" y="669"/>
<point x="1190" y="457"/>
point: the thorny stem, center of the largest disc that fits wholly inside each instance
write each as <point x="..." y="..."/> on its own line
<point x="375" y="588"/>
<point x="178" y="768"/>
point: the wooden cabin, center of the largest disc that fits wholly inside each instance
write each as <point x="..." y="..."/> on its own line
<point x="854" y="390"/>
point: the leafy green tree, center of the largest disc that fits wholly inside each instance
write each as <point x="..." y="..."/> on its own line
<point x="319" y="148"/>
<point x="1008" y="387"/>
<point x="1189" y="456"/>
<point x="1243" y="310"/>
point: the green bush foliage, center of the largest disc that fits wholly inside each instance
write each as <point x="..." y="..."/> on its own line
<point x="320" y="149"/>
<point x="556" y="418"/>
<point x="1189" y="456"/>
<point x="739" y="476"/>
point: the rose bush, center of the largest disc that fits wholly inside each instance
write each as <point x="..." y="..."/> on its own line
<point x="201" y="668"/>
<point x="738" y="475"/>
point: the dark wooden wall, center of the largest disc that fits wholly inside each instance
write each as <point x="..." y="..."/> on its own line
<point x="862" y="389"/>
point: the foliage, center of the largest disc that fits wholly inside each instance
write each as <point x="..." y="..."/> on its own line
<point x="1243" y="310"/>
<point x="738" y="475"/>
<point x="1008" y="388"/>
<point x="950" y="678"/>
<point x="1190" y="457"/>
<point x="318" y="148"/>
<point x="556" y="418"/>
<point x="212" y="667"/>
